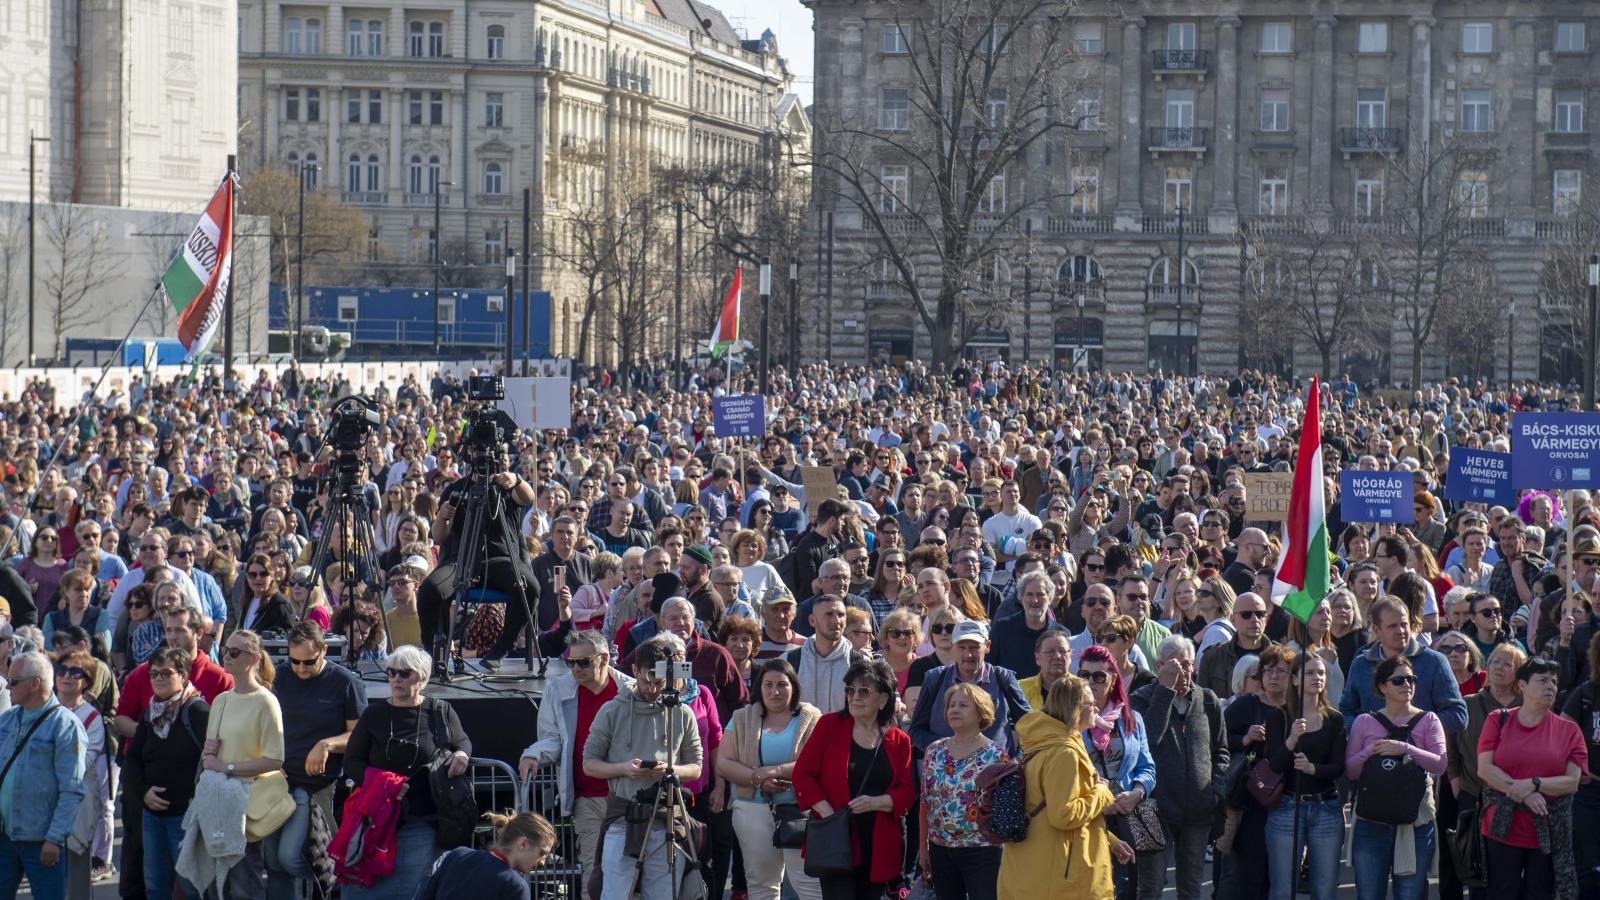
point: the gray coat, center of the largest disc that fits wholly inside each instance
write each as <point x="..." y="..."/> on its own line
<point x="1190" y="752"/>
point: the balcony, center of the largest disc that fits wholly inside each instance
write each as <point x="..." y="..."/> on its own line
<point x="1271" y="226"/>
<point x="426" y="198"/>
<point x="1354" y="141"/>
<point x="1180" y="62"/>
<point x="1188" y="139"/>
<point x="1482" y="228"/>
<point x="1555" y="229"/>
<point x="368" y="198"/>
<point x="1192" y="224"/>
<point x="1079" y="224"/>
<point x="1570" y="143"/>
<point x="1187" y="296"/>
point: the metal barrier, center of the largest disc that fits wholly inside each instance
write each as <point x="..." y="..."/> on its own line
<point x="497" y="787"/>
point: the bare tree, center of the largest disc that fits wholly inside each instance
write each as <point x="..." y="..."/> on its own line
<point x="334" y="233"/>
<point x="1467" y="322"/>
<point x="947" y="170"/>
<point x="160" y="238"/>
<point x="77" y="266"/>
<point x="13" y="284"/>
<point x="1564" y="278"/>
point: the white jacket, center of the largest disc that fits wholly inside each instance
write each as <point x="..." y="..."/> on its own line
<point x="214" y="830"/>
<point x="558" y="720"/>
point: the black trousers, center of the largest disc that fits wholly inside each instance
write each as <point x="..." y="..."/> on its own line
<point x="130" y="874"/>
<point x="1519" y="873"/>
<point x="503" y="575"/>
<point x="964" y="873"/>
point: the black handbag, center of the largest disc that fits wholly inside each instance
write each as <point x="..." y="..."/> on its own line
<point x="1141" y="828"/>
<point x="829" y="848"/>
<point x="1465" y="845"/>
<point x="788" y="819"/>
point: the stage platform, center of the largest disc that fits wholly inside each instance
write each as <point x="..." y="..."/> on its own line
<point x="498" y="710"/>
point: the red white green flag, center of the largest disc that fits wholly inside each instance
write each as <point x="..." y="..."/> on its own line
<point x="196" y="283"/>
<point x="1302" y="577"/>
<point x="726" y="334"/>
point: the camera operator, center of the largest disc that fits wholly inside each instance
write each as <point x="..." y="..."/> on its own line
<point x="504" y="561"/>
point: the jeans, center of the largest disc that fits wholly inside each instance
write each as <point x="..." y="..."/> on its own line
<point x="1586" y="850"/>
<point x="964" y="873"/>
<point x="765" y="865"/>
<point x="1188" y="848"/>
<point x="18" y="858"/>
<point x="415" y="854"/>
<point x="1521" y="872"/>
<point x="619" y="868"/>
<point x="1321" y="838"/>
<point x="1372" y="858"/>
<point x="163" y="837"/>
<point x="286" y="866"/>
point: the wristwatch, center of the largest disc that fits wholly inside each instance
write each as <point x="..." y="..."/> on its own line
<point x="231" y="767"/>
<point x="1536" y="783"/>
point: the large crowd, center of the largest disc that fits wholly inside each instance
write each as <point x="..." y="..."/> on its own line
<point x="986" y="633"/>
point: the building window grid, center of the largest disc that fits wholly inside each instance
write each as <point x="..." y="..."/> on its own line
<point x="352" y="172"/>
<point x="1085" y="197"/>
<point x="291" y="104"/>
<point x="494" y="106"/>
<point x="1372" y="37"/>
<point x="1572" y="37"/>
<point x="436" y="39"/>
<point x="313" y="36"/>
<point x="1086" y="108"/>
<point x="495" y="42"/>
<point x="993" y="200"/>
<point x="374" y="106"/>
<point x="1369" y="196"/>
<point x="1178" y="190"/>
<point x="894" y="39"/>
<point x="493" y="179"/>
<point x="352" y="108"/>
<point x="1277" y="37"/>
<point x="1477" y="37"/>
<point x="374" y="173"/>
<point x="293" y="31"/>
<point x="1275" y="109"/>
<point x="355" y="43"/>
<point x="894" y="109"/>
<point x="1566" y="191"/>
<point x="1477" y="114"/>
<point x="374" y="38"/>
<point x="416" y="39"/>
<point x="1272" y="198"/>
<point x="894" y="189"/>
<point x="1472" y="194"/>
<point x="1089" y="37"/>
<point x="1569" y="111"/>
<point x="436" y="107"/>
<point x="1372" y="108"/>
<point x="313" y="105"/>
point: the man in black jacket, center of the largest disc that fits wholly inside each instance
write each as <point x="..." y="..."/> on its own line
<point x="799" y="569"/>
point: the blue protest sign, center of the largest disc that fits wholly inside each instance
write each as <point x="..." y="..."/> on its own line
<point x="739" y="415"/>
<point x="1481" y="476"/>
<point x="1556" y="451"/>
<point x="1375" y="496"/>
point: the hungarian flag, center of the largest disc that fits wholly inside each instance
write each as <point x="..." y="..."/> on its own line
<point x="196" y="283"/>
<point x="726" y="334"/>
<point x="1302" y="578"/>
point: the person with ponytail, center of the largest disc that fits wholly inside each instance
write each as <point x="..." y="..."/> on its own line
<point x="521" y="843"/>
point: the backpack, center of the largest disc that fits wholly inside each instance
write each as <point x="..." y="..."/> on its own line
<point x="1003" y="813"/>
<point x="1391" y="788"/>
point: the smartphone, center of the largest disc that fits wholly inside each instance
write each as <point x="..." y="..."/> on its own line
<point x="558" y="576"/>
<point x="649" y="764"/>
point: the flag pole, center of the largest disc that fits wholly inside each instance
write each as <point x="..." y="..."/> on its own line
<point x="227" y="309"/>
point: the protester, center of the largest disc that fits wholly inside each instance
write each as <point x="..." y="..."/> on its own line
<point x="953" y="855"/>
<point x="1311" y="758"/>
<point x="160" y="764"/>
<point x="1119" y="748"/>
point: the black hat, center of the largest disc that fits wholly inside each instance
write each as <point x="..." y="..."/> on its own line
<point x="667" y="585"/>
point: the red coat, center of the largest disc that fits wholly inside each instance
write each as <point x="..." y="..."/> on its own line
<point x="821" y="773"/>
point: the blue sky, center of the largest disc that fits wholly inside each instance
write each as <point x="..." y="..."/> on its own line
<point x="790" y="21"/>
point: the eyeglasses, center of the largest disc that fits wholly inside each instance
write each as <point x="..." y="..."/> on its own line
<point x="235" y="652"/>
<point x="1210" y="524"/>
<point x="1096" y="677"/>
<point x="901" y="633"/>
<point x="163" y="674"/>
<point x="71" y="672"/>
<point x="1203" y="592"/>
<point x="47" y="537"/>
<point x="1097" y="601"/>
<point x="580" y="662"/>
<point x="183" y="554"/>
<point x="150" y="548"/>
<point x="304" y="663"/>
<point x="1403" y="680"/>
<point x="256" y="573"/>
<point x="1454" y="649"/>
<point x="1250" y="613"/>
<point x="138" y="604"/>
<point x="398" y="674"/>
<point x="947" y="628"/>
<point x="1491" y="612"/>
<point x="1094" y="567"/>
<point x="860" y="691"/>
<point x="1140" y="597"/>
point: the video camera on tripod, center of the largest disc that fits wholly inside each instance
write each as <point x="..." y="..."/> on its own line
<point x="354" y="418"/>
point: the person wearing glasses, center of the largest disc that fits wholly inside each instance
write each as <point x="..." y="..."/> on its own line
<point x="324" y="701"/>
<point x="43" y="567"/>
<point x="1466" y="660"/>
<point x="1120" y="752"/>
<point x="1249" y="620"/>
<point x="1460" y="806"/>
<point x="45" y="785"/>
<point x="152" y="552"/>
<point x="158" y="770"/>
<point x="244" y="740"/>
<point x="88" y="850"/>
<point x="401" y="735"/>
<point x="1487" y="628"/>
<point x="182" y="554"/>
<point x="264" y="607"/>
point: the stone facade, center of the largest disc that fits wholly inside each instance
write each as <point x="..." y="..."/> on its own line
<point x="495" y="97"/>
<point x="1253" y="112"/>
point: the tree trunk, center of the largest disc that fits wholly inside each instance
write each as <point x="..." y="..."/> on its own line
<point x="1327" y="361"/>
<point x="583" y="329"/>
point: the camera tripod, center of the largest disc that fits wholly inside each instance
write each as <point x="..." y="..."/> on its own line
<point x="472" y="572"/>
<point x="349" y="514"/>
<point x="668" y="800"/>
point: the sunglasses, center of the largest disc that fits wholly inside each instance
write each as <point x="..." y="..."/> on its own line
<point x="860" y="691"/>
<point x="47" y="537"/>
<point x="1454" y="649"/>
<point x="580" y="662"/>
<point x="1097" y="601"/>
<point x="138" y="604"/>
<point x="901" y="633"/>
<point x="1096" y="677"/>
<point x="400" y="674"/>
<point x="304" y="663"/>
<point x="1250" y="613"/>
<point x="163" y="674"/>
<point x="1094" y="567"/>
<point x="256" y="574"/>
<point x="1492" y="612"/>
<point x="71" y="672"/>
<point x="235" y="652"/>
<point x="948" y="628"/>
<point x="1403" y="680"/>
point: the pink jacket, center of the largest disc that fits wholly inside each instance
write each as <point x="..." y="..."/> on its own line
<point x="589" y="606"/>
<point x="364" y="849"/>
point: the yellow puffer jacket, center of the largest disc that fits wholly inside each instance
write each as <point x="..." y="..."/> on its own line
<point x="1067" y="855"/>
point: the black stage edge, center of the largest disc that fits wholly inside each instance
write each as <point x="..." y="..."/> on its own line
<point x="499" y="711"/>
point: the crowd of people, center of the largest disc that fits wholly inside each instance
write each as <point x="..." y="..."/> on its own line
<point x="778" y="684"/>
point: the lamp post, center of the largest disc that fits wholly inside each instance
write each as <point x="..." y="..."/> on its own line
<point x="1511" y="320"/>
<point x="300" y="260"/>
<point x="1594" y="326"/>
<point x="1183" y="348"/>
<point x="766" y="298"/>
<point x="792" y="358"/>
<point x="32" y="142"/>
<point x="511" y="291"/>
<point x="677" y="294"/>
<point x="1083" y="343"/>
<point x="438" y="239"/>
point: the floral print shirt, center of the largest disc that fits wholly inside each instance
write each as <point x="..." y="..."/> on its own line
<point x="950" y="793"/>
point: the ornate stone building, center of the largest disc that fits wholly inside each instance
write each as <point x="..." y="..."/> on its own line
<point x="1246" y="116"/>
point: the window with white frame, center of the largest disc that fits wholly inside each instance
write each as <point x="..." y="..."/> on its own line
<point x="355" y="43"/>
<point x="349" y="307"/>
<point x="1372" y="37"/>
<point x="494" y="246"/>
<point x="1085" y="199"/>
<point x="1372" y="108"/>
<point x="1569" y="111"/>
<point x="1079" y="270"/>
<point x="352" y="172"/>
<point x="313" y="105"/>
<point x="1477" y="37"/>
<point x="999" y="39"/>
<point x="1089" y="37"/>
<point x="313" y="36"/>
<point x="1181" y="35"/>
<point x="1369" y="194"/>
<point x="1477" y="115"/>
<point x="1472" y="194"/>
<point x="1277" y="37"/>
<point x="1572" y="37"/>
<point x="291" y="104"/>
<point x="1179" y="108"/>
<point x="1567" y="191"/>
<point x="374" y="37"/>
<point x="311" y="172"/>
<point x="894" y="109"/>
<point x="1272" y="196"/>
<point x="414" y="107"/>
<point x="493" y="179"/>
<point x="435" y="174"/>
<point x="435" y="39"/>
<point x="414" y="176"/>
<point x="1275" y="109"/>
<point x="1086" y="108"/>
<point x="374" y="106"/>
<point x="894" y="189"/>
<point x="993" y="200"/>
<point x="894" y="39"/>
<point x="352" y="106"/>
<point x="1178" y="189"/>
<point x="494" y="42"/>
<point x="494" y="110"/>
<point x="374" y="173"/>
<point x="416" y="39"/>
<point x="436" y="107"/>
<point x="293" y="35"/>
<point x="995" y="110"/>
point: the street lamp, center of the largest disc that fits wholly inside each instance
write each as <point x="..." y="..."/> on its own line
<point x="438" y="239"/>
<point x="511" y="289"/>
<point x="766" y="297"/>
<point x="1183" y="348"/>
<point x="32" y="142"/>
<point x="1083" y="344"/>
<point x="300" y="260"/>
<point x="1511" y="328"/>
<point x="1594" y="325"/>
<point x="792" y="358"/>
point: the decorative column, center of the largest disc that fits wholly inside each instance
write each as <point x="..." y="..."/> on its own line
<point x="333" y="175"/>
<point x="1130" y="205"/>
<point x="397" y="31"/>
<point x="1519" y="115"/>
<point x="1322" y="119"/>
<point x="1420" y="84"/>
<point x="458" y="150"/>
<point x="397" y="173"/>
<point x="1225" y="204"/>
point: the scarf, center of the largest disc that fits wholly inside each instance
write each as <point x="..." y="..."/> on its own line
<point x="1105" y="722"/>
<point x="164" y="712"/>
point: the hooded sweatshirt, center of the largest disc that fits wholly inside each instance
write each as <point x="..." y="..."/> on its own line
<point x="629" y="728"/>
<point x="1068" y="834"/>
<point x="822" y="677"/>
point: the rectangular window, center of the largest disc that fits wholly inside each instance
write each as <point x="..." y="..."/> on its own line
<point x="1086" y="108"/>
<point x="894" y="109"/>
<point x="293" y="29"/>
<point x="1569" y="111"/>
<point x="1369" y="195"/>
<point x="1178" y="192"/>
<point x="1373" y="37"/>
<point x="313" y="36"/>
<point x="355" y="37"/>
<point x="1476" y="114"/>
<point x="1272" y="198"/>
<point x="1477" y="37"/>
<point x="1180" y="36"/>
<point x="436" y="107"/>
<point x="1277" y="37"/>
<point x="1180" y="109"/>
<point x="1275" y="109"/>
<point x="374" y="38"/>
<point x="1571" y="37"/>
<point x="995" y="111"/>
<point x="495" y="42"/>
<point x="313" y="105"/>
<point x="999" y="39"/>
<point x="1372" y="109"/>
<point x="414" y="107"/>
<point x="416" y="38"/>
<point x="1089" y="37"/>
<point x="993" y="201"/>
<point x="894" y="187"/>
<point x="436" y="39"/>
<point x="493" y="245"/>
<point x="1472" y="192"/>
<point x="494" y="105"/>
<point x="352" y="107"/>
<point x="374" y="107"/>
<point x="1568" y="191"/>
<point x="291" y="104"/>
<point x="895" y="39"/>
<point x="1086" y="191"/>
<point x="352" y="173"/>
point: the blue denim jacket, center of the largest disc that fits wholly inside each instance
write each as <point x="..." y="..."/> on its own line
<point x="1137" y="766"/>
<point x="47" y="778"/>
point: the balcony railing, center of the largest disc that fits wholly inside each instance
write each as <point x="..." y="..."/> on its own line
<point x="1192" y="224"/>
<point x="1554" y="229"/>
<point x="1482" y="228"/>
<point x="1269" y="226"/>
<point x="426" y="198"/>
<point x="1371" y="140"/>
<point x="1566" y="141"/>
<point x="1173" y="295"/>
<point x="1079" y="224"/>
<point x="367" y="198"/>
<point x="1178" y="61"/>
<point x="1184" y="138"/>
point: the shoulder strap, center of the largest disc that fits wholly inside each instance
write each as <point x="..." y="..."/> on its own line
<point x="188" y="724"/>
<point x="24" y="742"/>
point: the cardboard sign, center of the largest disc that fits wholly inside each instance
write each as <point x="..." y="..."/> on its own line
<point x="739" y="415"/>
<point x="1375" y="496"/>
<point x="1266" y="496"/>
<point x="1482" y="476"/>
<point x="539" y="403"/>
<point x="820" y="484"/>
<point x="1555" y="451"/>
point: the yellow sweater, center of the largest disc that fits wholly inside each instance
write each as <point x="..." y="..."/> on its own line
<point x="250" y="727"/>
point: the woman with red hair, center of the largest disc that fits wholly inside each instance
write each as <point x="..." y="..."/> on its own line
<point x="1121" y="754"/>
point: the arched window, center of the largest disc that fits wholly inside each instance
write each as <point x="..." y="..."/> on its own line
<point x="293" y="35"/>
<point x="1164" y="272"/>
<point x="435" y="38"/>
<point x="435" y="174"/>
<point x="352" y="172"/>
<point x="495" y="42"/>
<point x="293" y="159"/>
<point x="493" y="181"/>
<point x="415" y="39"/>
<point x="374" y="37"/>
<point x="1079" y="270"/>
<point x="374" y="173"/>
<point x="414" y="182"/>
<point x="311" y="172"/>
<point x="313" y="36"/>
<point x="355" y="32"/>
